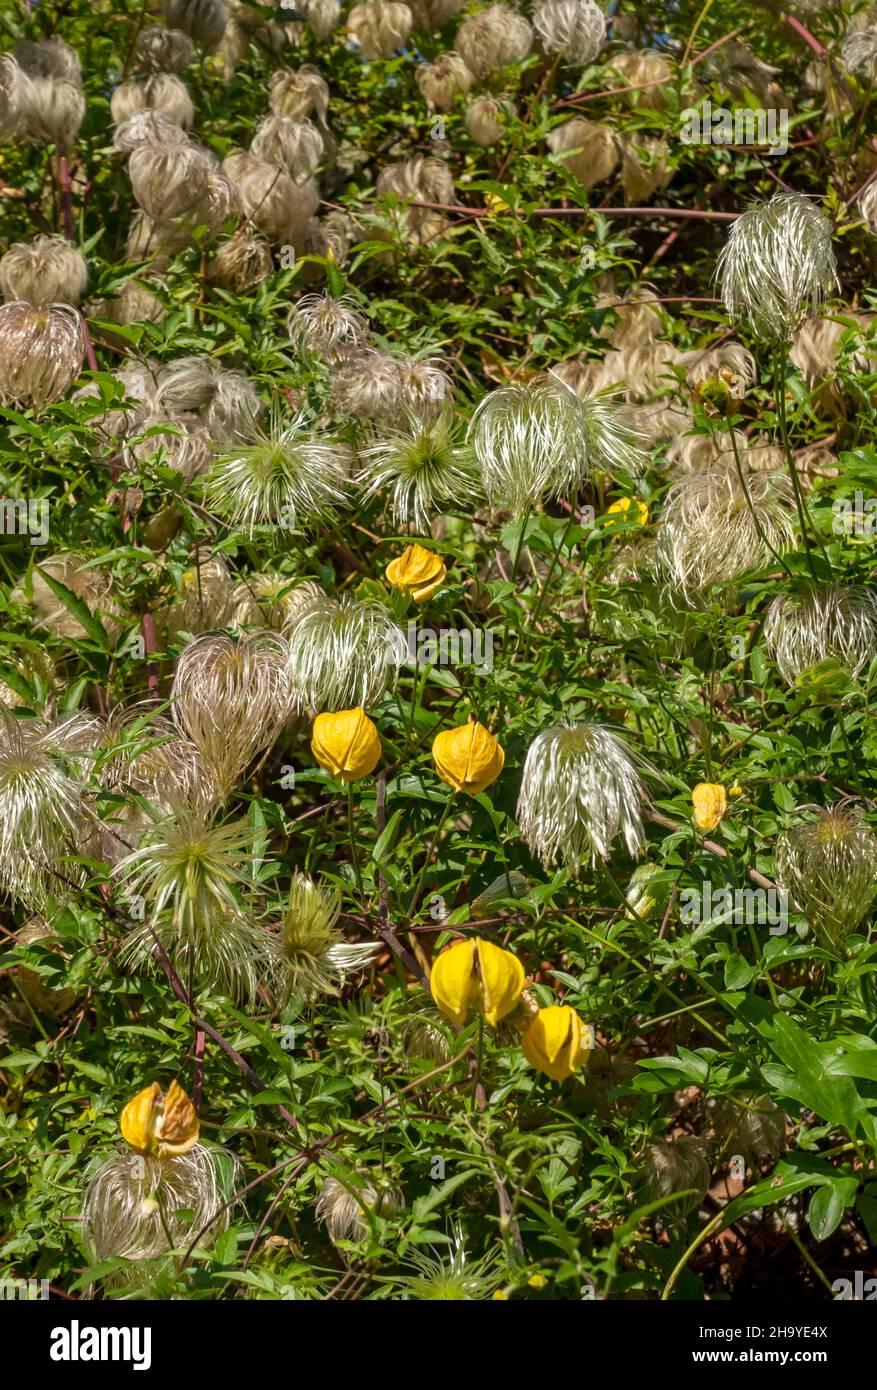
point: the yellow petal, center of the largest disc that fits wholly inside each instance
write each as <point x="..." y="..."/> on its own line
<point x="453" y="982"/>
<point x="501" y="978"/>
<point x="468" y="758"/>
<point x="138" y="1118"/>
<point x="346" y="743"/>
<point x="417" y="572"/>
<point x="555" y="1042"/>
<point x="631" y="508"/>
<point x="178" y="1129"/>
<point x="710" y="804"/>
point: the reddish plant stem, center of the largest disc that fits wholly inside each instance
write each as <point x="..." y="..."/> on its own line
<point x="147" y="627"/>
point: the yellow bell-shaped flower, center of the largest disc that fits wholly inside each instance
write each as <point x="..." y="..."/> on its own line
<point x="468" y="758"/>
<point x="630" y="509"/>
<point x="417" y="572"/>
<point x="557" y="1042"/>
<point x="160" y="1126"/>
<point x="710" y="804"/>
<point x="347" y="744"/>
<point x="476" y="973"/>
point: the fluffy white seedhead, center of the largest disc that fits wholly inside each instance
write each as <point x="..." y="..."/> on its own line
<point x="581" y="789"/>
<point x="47" y="270"/>
<point x="41" y="352"/>
<point x="191" y="875"/>
<point x="285" y="479"/>
<point x="421" y="469"/>
<point x="378" y="27"/>
<point x="343" y="654"/>
<point x="777" y="264"/>
<point x="42" y="776"/>
<point x="493" y="38"/>
<point x="139" y="1208"/>
<point x="326" y="326"/>
<point x="818" y="622"/>
<point x="297" y="146"/>
<point x="531" y="441"/>
<point x="231" y="697"/>
<point x="709" y="534"/>
<point x="576" y="29"/>
<point x="828" y="867"/>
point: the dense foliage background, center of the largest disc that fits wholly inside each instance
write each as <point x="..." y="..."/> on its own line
<point x="733" y="1063"/>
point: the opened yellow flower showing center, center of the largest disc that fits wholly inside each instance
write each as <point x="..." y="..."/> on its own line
<point x="417" y="572"/>
<point x="157" y="1125"/>
<point x="710" y="804"/>
<point x="557" y="1042"/>
<point x="630" y="509"/>
<point x="468" y="758"/>
<point x="476" y="974"/>
<point x="347" y="744"/>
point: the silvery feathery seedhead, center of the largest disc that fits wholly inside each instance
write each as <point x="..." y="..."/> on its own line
<point x="145" y="753"/>
<point x="164" y="50"/>
<point x="493" y="38"/>
<point x="146" y="126"/>
<point x="297" y="146"/>
<point x="203" y="20"/>
<point x="51" y="111"/>
<point x="286" y="479"/>
<point x="709" y="535"/>
<point x="189" y="874"/>
<point x="451" y="1276"/>
<point x="139" y="1208"/>
<point x="162" y="94"/>
<point x="751" y="1125"/>
<point x="580" y="789"/>
<point x="323" y="16"/>
<point x="167" y="180"/>
<point x="315" y="958"/>
<point x="42" y="777"/>
<point x="325" y="326"/>
<point x="859" y="51"/>
<point x="231" y="697"/>
<point x="421" y="467"/>
<point x="829" y="870"/>
<point x="47" y="270"/>
<point x="529" y="440"/>
<point x="369" y="386"/>
<point x="677" y="1165"/>
<point x="240" y="263"/>
<point x="576" y="29"/>
<point x="272" y="600"/>
<point x="777" y="264"/>
<point x="344" y="1207"/>
<point x="275" y="204"/>
<point x="301" y="93"/>
<point x="12" y="88"/>
<point x="443" y="81"/>
<point x="342" y="655"/>
<point x="378" y="27"/>
<point x="227" y="400"/>
<point x="540" y="440"/>
<point x="815" y="622"/>
<point x="41" y="352"/>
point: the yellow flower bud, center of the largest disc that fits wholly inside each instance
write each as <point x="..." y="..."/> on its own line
<point x="710" y="804"/>
<point x="417" y="572"/>
<point x="477" y="973"/>
<point x="468" y="758"/>
<point x="346" y="744"/>
<point x="630" y="509"/>
<point x="537" y="1281"/>
<point x="160" y="1126"/>
<point x="557" y="1042"/>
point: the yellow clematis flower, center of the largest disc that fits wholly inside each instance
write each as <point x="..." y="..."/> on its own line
<point x="557" y="1042"/>
<point x="710" y="804"/>
<point x="468" y="758"/>
<point x="477" y="974"/>
<point x="347" y="744"/>
<point x="417" y="572"/>
<point x="630" y="509"/>
<point x="160" y="1126"/>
